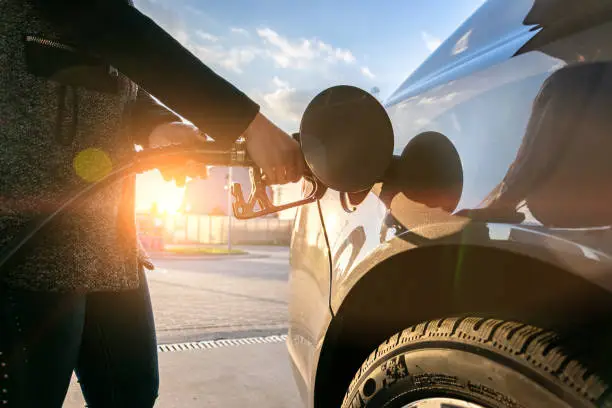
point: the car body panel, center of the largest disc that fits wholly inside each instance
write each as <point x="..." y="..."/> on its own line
<point x="504" y="95"/>
<point x="472" y="46"/>
<point x="483" y="91"/>
<point x="309" y="293"/>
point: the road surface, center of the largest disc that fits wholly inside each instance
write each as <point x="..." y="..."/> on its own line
<point x="229" y="297"/>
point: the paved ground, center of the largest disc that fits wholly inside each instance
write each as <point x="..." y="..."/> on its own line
<point x="256" y="375"/>
<point x="213" y="298"/>
<point x="228" y="296"/>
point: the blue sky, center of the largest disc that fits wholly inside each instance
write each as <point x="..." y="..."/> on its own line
<point x="283" y="52"/>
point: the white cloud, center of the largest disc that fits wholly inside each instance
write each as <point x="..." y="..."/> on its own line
<point x="235" y="52"/>
<point x="285" y="104"/>
<point x="431" y="42"/>
<point x="207" y="36"/>
<point x="285" y="53"/>
<point x="236" y="58"/>
<point x="182" y="37"/>
<point x="280" y="83"/>
<point x="301" y="53"/>
<point x="279" y="101"/>
<point x="366" y="72"/>
<point x="325" y="47"/>
<point x="237" y="30"/>
<point x="344" y="55"/>
<point x="233" y="59"/>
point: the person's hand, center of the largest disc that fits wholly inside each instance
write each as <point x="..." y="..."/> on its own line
<point x="143" y="257"/>
<point x="178" y="133"/>
<point x="274" y="151"/>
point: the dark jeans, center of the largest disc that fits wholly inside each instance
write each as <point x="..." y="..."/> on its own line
<point x="107" y="338"/>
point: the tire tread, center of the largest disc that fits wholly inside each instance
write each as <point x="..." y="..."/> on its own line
<point x="531" y="345"/>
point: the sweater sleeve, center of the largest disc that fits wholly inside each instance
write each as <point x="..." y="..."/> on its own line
<point x="131" y="42"/>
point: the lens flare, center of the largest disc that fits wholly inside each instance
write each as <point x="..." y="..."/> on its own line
<point x="92" y="165"/>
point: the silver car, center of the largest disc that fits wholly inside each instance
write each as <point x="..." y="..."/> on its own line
<point x="478" y="273"/>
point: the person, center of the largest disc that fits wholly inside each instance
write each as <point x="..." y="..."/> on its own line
<point x="78" y="79"/>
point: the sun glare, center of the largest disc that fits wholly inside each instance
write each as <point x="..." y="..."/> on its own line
<point x="152" y="188"/>
<point x="169" y="204"/>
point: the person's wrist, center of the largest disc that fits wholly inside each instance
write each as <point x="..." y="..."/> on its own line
<point x="256" y="124"/>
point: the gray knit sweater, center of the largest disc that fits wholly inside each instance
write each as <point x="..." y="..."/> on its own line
<point x="54" y="139"/>
<point x="68" y="116"/>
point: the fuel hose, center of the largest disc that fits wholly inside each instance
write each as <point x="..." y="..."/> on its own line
<point x="207" y="153"/>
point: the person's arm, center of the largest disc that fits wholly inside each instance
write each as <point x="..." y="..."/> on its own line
<point x="131" y="42"/>
<point x="145" y="114"/>
<point x="151" y="124"/>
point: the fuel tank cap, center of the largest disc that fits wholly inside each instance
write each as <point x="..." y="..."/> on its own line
<point x="346" y="138"/>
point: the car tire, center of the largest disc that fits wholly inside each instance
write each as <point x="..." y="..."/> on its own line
<point x="487" y="362"/>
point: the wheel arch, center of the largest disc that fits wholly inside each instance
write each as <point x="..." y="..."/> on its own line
<point x="465" y="280"/>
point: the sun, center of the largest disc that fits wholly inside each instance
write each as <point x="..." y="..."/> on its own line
<point x="152" y="188"/>
<point x="169" y="204"/>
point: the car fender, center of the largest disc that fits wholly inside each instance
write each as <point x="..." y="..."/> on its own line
<point x="538" y="278"/>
